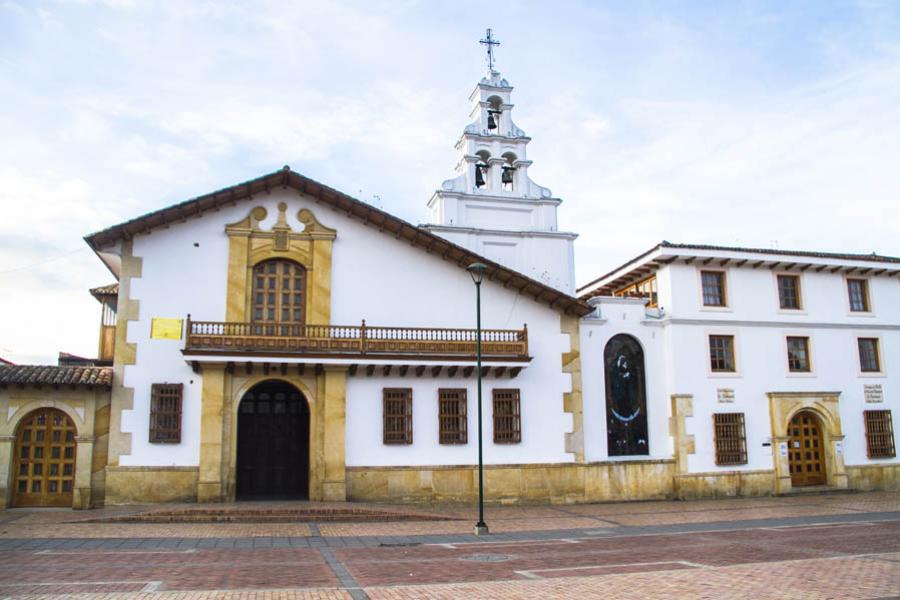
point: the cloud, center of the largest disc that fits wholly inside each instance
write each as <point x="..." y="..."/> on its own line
<point x="743" y="123"/>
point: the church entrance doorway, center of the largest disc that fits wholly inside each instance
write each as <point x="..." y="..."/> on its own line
<point x="806" y="451"/>
<point x="273" y="443"/>
<point x="44" y="467"/>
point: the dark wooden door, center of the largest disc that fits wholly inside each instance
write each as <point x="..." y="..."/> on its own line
<point x="273" y="443"/>
<point x="806" y="450"/>
<point x="45" y="459"/>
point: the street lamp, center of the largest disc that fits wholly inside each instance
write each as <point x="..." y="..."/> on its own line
<point x="476" y="270"/>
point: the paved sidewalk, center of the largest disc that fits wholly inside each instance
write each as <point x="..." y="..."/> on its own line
<point x="810" y="547"/>
<point x="63" y="523"/>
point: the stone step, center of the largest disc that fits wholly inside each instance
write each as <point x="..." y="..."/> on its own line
<point x="264" y="515"/>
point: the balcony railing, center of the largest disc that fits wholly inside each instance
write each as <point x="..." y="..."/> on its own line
<point x="293" y="338"/>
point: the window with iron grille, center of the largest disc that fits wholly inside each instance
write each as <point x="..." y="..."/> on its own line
<point x="879" y="434"/>
<point x="731" y="439"/>
<point x="507" y="416"/>
<point x="868" y="355"/>
<point x="858" y="291"/>
<point x="713" y="288"/>
<point x="398" y="428"/>
<point x="798" y="354"/>
<point x="721" y="353"/>
<point x="165" y="413"/>
<point x="789" y="292"/>
<point x="452" y="416"/>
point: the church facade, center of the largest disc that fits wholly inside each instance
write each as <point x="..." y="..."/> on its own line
<point x="279" y="339"/>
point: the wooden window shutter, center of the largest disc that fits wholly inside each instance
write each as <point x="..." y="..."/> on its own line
<point x="879" y="434"/>
<point x="507" y="416"/>
<point x="730" y="439"/>
<point x="397" y="415"/>
<point x="165" y="413"/>
<point x="452" y="416"/>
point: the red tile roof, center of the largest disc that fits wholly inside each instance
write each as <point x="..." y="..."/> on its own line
<point x="52" y="375"/>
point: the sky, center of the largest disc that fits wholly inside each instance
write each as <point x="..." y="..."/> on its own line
<point x="766" y="124"/>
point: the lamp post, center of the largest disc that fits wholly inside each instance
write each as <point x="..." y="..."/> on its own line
<point x="476" y="270"/>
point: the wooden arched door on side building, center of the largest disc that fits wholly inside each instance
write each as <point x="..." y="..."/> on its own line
<point x="806" y="450"/>
<point x="44" y="469"/>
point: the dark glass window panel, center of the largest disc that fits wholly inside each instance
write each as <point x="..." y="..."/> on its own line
<point x="721" y="353"/>
<point x="713" y="288"/>
<point x="789" y="292"/>
<point x="798" y="354"/>
<point x="626" y="401"/>
<point x="858" y="291"/>
<point x="868" y="355"/>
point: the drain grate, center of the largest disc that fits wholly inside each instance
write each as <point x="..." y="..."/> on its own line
<point x="487" y="558"/>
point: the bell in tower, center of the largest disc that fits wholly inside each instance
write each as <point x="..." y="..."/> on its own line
<point x="491" y="121"/>
<point x="479" y="174"/>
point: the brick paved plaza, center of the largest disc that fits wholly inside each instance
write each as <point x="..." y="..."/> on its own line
<point x="805" y="546"/>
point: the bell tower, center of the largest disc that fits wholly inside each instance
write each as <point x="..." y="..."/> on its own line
<point x="492" y="206"/>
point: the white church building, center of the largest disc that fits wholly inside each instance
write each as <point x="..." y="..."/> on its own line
<point x="278" y="339"/>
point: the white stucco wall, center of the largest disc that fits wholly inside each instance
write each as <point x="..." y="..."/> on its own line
<point x="374" y="277"/>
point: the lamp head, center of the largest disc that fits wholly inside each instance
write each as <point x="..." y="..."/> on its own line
<point x="476" y="270"/>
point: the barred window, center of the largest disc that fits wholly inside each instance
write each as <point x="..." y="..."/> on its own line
<point x="507" y="416"/>
<point x="730" y="439"/>
<point x="858" y="291"/>
<point x="713" y="288"/>
<point x="452" y="416"/>
<point x="721" y="353"/>
<point x="165" y="413"/>
<point x="868" y="355"/>
<point x="798" y="354"/>
<point x="789" y="292"/>
<point x="397" y="414"/>
<point x="879" y="434"/>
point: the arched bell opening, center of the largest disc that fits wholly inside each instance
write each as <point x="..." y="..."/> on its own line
<point x="806" y="449"/>
<point x="44" y="463"/>
<point x="493" y="114"/>
<point x="272" y="443"/>
<point x="482" y="166"/>
<point x="508" y="177"/>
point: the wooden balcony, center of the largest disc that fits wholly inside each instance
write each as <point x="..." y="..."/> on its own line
<point x="288" y="339"/>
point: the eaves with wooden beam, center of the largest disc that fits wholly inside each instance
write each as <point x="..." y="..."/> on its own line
<point x="717" y="257"/>
<point x="350" y="207"/>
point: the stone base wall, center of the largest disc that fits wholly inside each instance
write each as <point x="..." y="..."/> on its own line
<point x="874" y="477"/>
<point x="726" y="484"/>
<point x="512" y="484"/>
<point x="144" y="485"/>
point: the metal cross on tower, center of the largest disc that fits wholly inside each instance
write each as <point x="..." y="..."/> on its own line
<point x="490" y="42"/>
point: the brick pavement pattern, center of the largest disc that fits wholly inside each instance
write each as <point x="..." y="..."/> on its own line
<point x="828" y="546"/>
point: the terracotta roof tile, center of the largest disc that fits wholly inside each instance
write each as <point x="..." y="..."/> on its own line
<point x="105" y="290"/>
<point x="52" y="375"/>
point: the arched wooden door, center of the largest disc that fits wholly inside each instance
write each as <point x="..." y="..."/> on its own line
<point x="44" y="468"/>
<point x="273" y="443"/>
<point x="806" y="450"/>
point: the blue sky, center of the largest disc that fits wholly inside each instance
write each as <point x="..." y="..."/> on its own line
<point x="752" y="123"/>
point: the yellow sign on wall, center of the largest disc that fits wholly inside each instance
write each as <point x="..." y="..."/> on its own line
<point x="165" y="329"/>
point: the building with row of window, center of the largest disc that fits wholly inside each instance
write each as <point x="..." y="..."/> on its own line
<point x="252" y="347"/>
